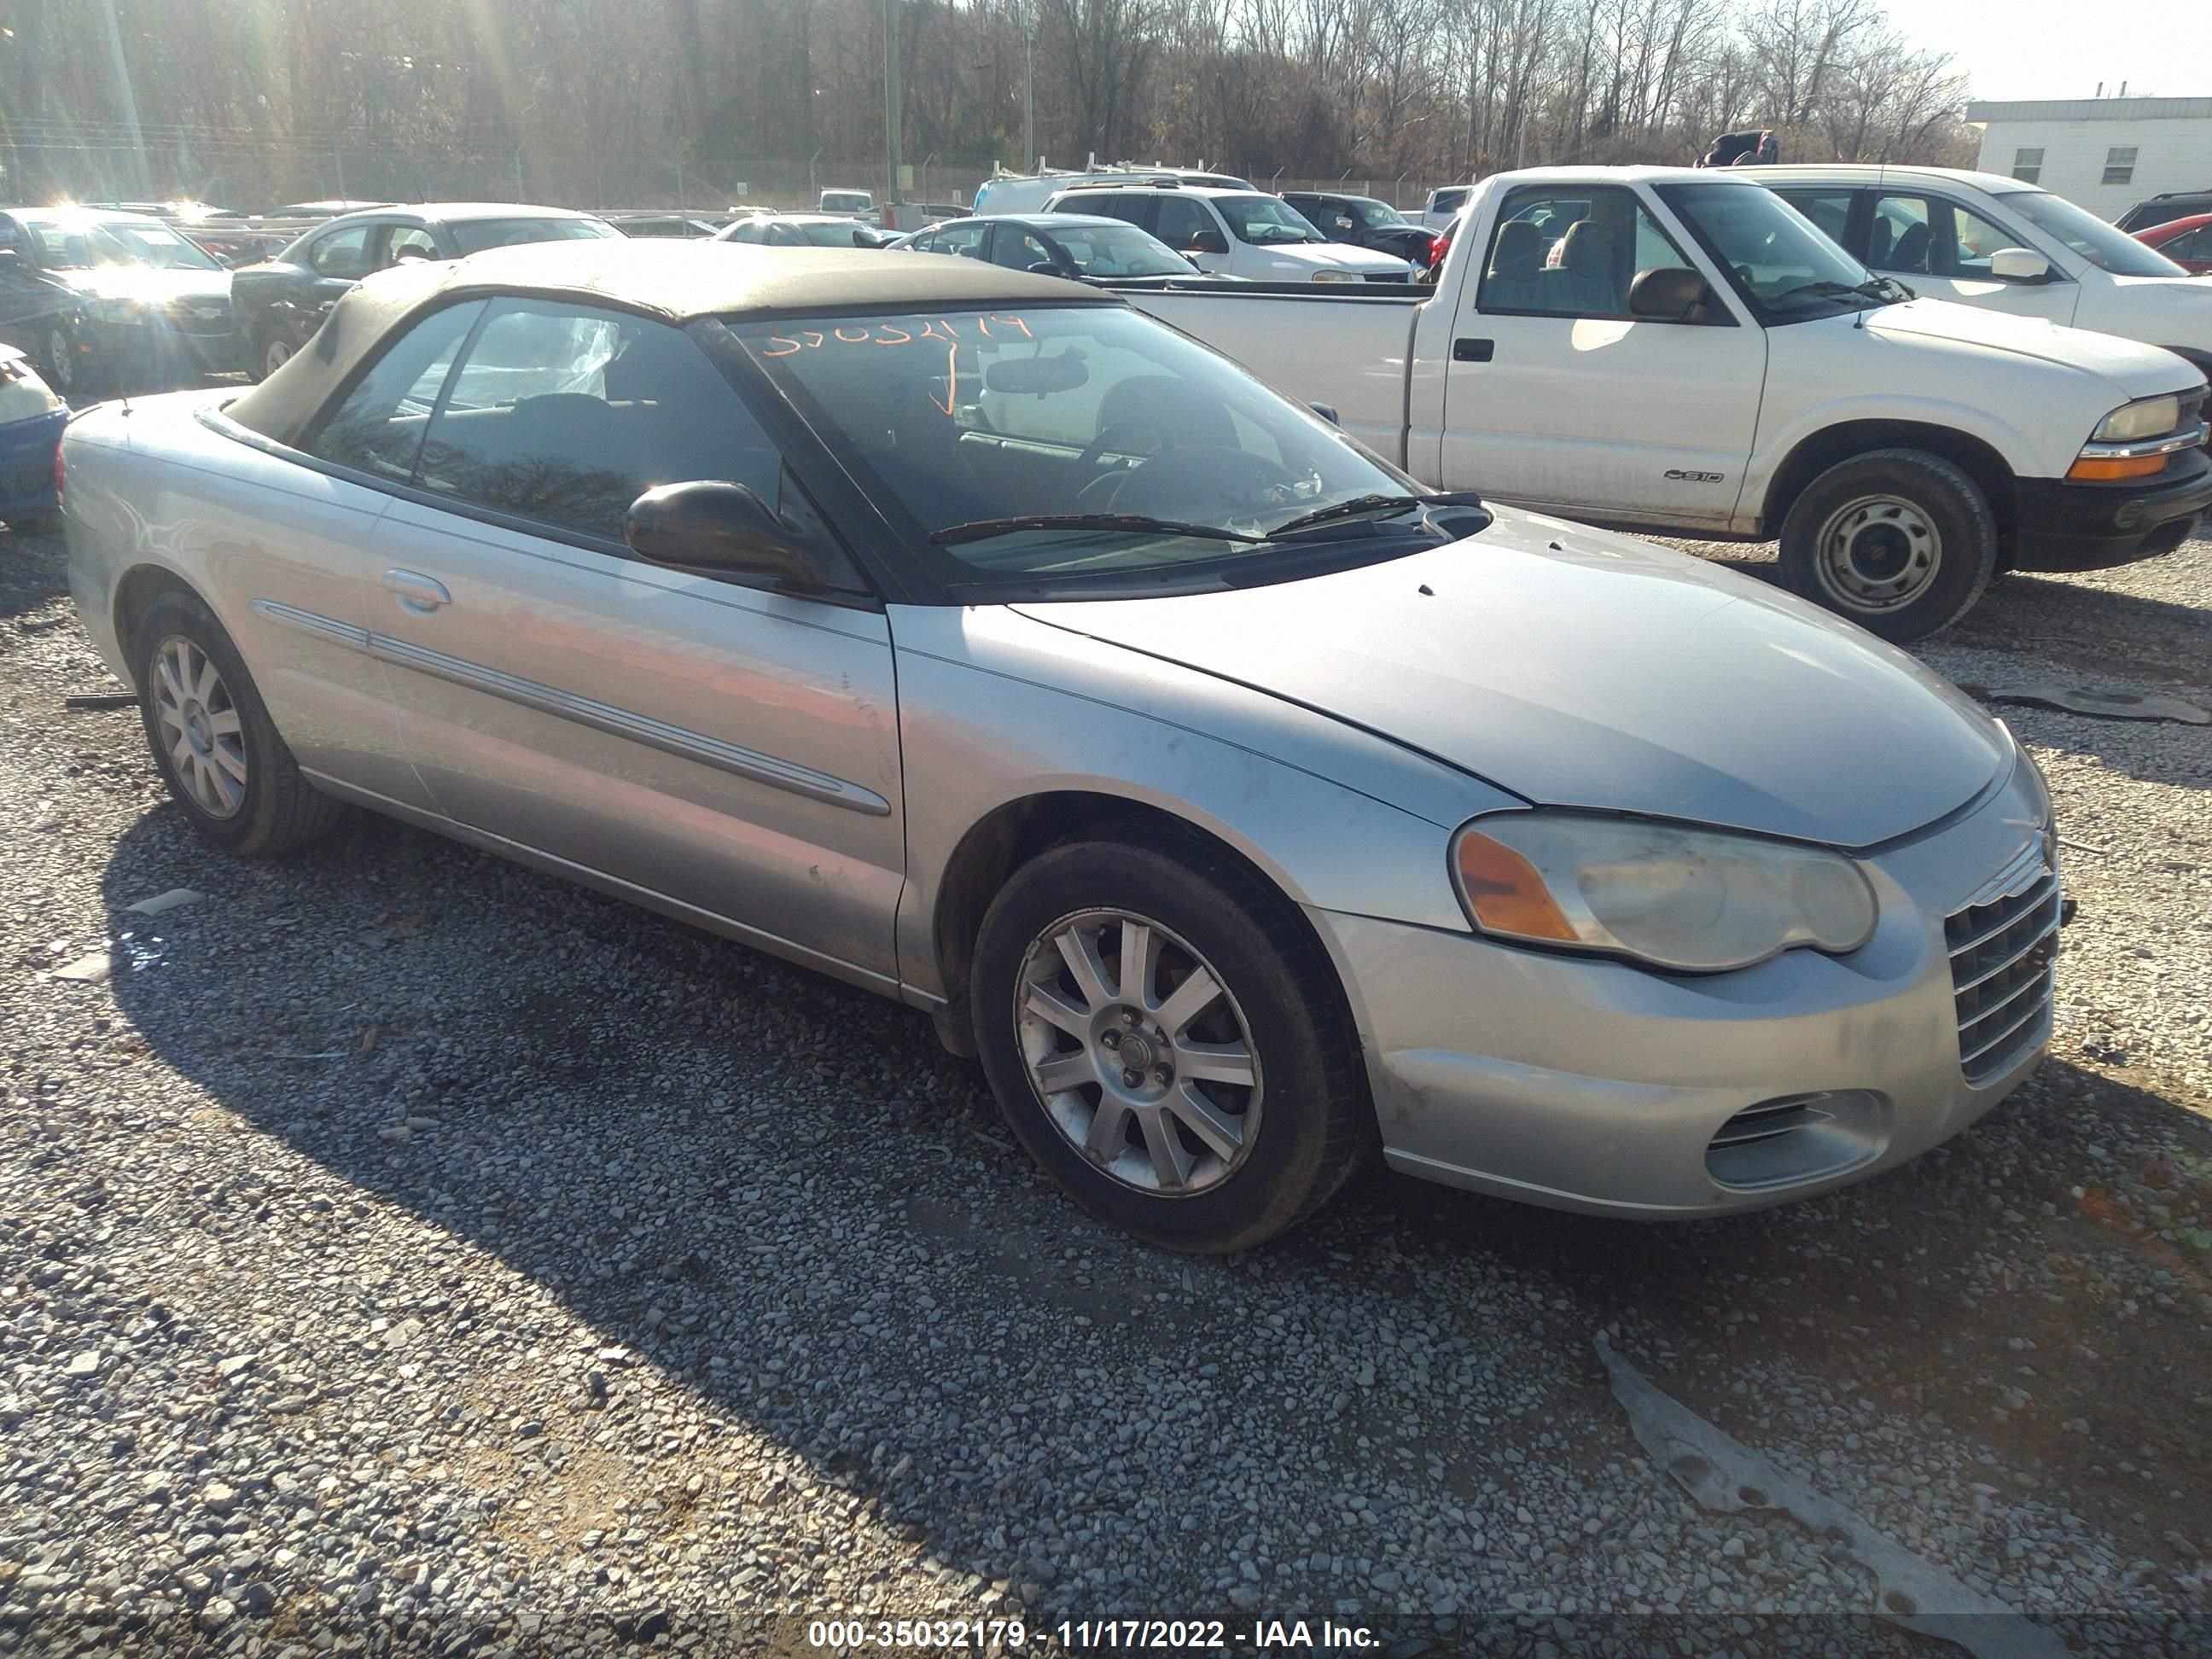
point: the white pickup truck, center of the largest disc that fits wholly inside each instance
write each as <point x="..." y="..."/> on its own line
<point x="1664" y="349"/>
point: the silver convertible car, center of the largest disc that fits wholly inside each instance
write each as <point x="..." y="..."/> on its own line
<point x="966" y="635"/>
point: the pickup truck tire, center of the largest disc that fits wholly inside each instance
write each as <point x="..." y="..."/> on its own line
<point x="211" y="736"/>
<point x="1167" y="1041"/>
<point x="1899" y="541"/>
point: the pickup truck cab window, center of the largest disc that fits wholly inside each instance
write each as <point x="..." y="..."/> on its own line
<point x="1571" y="256"/>
<point x="566" y="413"/>
<point x="1777" y="259"/>
<point x="378" y="427"/>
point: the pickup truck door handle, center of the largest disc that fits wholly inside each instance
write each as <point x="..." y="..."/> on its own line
<point x="1473" y="351"/>
<point x="417" y="592"/>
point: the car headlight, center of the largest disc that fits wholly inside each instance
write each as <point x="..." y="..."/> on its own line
<point x="1337" y="276"/>
<point x="2146" y="417"/>
<point x="1695" y="900"/>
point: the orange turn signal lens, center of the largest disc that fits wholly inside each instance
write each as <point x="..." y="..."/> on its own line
<point x="2099" y="469"/>
<point x="1504" y="891"/>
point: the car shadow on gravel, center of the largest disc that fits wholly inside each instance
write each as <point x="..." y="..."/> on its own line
<point x="776" y="1192"/>
<point x="33" y="573"/>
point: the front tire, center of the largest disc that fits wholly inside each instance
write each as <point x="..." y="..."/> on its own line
<point x="212" y="738"/>
<point x="1899" y="541"/>
<point x="58" y="352"/>
<point x="1168" y="1042"/>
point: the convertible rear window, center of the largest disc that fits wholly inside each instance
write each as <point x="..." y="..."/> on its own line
<point x="475" y="235"/>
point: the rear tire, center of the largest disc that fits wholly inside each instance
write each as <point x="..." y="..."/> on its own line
<point x="211" y="736"/>
<point x="270" y="353"/>
<point x="1898" y="541"/>
<point x="1197" y="1118"/>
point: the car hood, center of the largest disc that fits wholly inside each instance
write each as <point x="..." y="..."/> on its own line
<point x="2174" y="310"/>
<point x="2140" y="371"/>
<point x="1342" y="256"/>
<point x="149" y="283"/>
<point x="1575" y="667"/>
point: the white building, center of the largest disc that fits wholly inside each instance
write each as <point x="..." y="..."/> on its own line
<point x="2107" y="153"/>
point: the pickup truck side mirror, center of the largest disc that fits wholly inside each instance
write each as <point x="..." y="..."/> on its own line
<point x="1326" y="411"/>
<point x="1207" y="241"/>
<point x="2018" y="264"/>
<point x="709" y="524"/>
<point x="1668" y="293"/>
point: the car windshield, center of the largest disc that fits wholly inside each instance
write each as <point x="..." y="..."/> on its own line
<point x="2106" y="246"/>
<point x="849" y="201"/>
<point x="1448" y="201"/>
<point x="1118" y="250"/>
<point x="475" y="235"/>
<point x="980" y="423"/>
<point x="73" y="243"/>
<point x="1374" y="215"/>
<point x="1264" y="218"/>
<point x="1778" y="259"/>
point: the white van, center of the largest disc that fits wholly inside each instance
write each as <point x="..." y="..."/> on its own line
<point x="1983" y="239"/>
<point x="854" y="204"/>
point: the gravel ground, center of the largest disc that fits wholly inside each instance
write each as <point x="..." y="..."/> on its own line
<point x="404" y="1245"/>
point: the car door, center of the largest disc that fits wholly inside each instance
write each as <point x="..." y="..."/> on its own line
<point x="296" y="571"/>
<point x="1556" y="396"/>
<point x="726" y="748"/>
<point x="1939" y="246"/>
<point x="1180" y="222"/>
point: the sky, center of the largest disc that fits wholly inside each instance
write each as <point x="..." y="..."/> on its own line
<point x="2060" y="49"/>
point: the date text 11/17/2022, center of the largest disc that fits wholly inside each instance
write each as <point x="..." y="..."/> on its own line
<point x="1089" y="1635"/>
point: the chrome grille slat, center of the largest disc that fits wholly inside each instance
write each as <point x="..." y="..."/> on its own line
<point x="2045" y="931"/>
<point x="1757" y="1123"/>
<point x="2033" y="1011"/>
<point x="2002" y="977"/>
<point x="1999" y="1005"/>
<point x="2016" y="910"/>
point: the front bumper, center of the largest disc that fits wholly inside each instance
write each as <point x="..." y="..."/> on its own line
<point x="1587" y="1085"/>
<point x="2090" y="527"/>
<point x="161" y="347"/>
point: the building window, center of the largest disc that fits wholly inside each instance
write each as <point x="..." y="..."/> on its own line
<point x="2027" y="165"/>
<point x="2120" y="165"/>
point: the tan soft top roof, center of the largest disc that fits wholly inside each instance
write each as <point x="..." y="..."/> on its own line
<point x="675" y="280"/>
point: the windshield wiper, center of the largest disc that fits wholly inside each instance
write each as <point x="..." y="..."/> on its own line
<point x="1887" y="287"/>
<point x="1827" y="291"/>
<point x="983" y="529"/>
<point x="1359" y="504"/>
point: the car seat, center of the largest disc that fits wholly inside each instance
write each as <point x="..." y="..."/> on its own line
<point x="1515" y="279"/>
<point x="1589" y="284"/>
<point x="1910" y="252"/>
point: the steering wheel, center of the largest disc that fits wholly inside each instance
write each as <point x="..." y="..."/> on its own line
<point x="1203" y="478"/>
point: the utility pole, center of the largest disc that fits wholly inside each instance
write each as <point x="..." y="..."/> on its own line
<point x="891" y="112"/>
<point x="129" y="99"/>
<point x="1028" y="86"/>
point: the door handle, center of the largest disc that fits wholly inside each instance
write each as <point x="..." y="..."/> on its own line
<point x="416" y="593"/>
<point x="1473" y="351"/>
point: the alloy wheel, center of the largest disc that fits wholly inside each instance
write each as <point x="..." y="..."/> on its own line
<point x="274" y="357"/>
<point x="1138" y="1052"/>
<point x="61" y="361"/>
<point x="199" y="727"/>
<point x="1877" y="553"/>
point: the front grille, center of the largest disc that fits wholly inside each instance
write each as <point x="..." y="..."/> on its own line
<point x="200" y="319"/>
<point x="2004" y="949"/>
<point x="1764" y="1122"/>
<point x="1389" y="276"/>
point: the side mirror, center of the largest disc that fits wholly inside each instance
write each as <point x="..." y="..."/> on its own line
<point x="1043" y="268"/>
<point x="1326" y="411"/>
<point x="710" y="524"/>
<point x="2018" y="264"/>
<point x="1208" y="241"/>
<point x="1666" y="294"/>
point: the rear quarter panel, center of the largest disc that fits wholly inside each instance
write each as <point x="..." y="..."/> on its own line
<point x="154" y="497"/>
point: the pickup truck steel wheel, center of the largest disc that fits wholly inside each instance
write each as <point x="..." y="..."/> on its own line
<point x="1899" y="541"/>
<point x="212" y="738"/>
<point x="1167" y="1041"/>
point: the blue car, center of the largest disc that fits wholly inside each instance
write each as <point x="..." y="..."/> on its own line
<point x="31" y="422"/>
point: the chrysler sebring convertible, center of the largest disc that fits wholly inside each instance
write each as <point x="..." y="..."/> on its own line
<point x="964" y="634"/>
